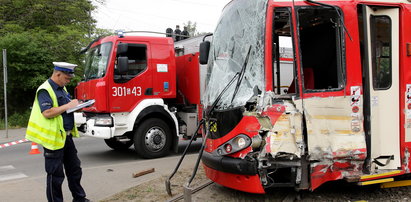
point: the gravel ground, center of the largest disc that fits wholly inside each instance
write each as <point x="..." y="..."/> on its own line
<point x="155" y="190"/>
<point x="333" y="191"/>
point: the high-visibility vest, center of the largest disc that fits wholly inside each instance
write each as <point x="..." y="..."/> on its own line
<point x="48" y="132"/>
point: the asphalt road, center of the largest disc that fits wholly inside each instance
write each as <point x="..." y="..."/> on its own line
<point x="105" y="171"/>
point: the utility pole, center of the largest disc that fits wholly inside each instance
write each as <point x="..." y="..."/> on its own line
<point x="5" y="90"/>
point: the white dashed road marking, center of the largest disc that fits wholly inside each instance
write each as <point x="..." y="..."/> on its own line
<point x="8" y="167"/>
<point x="6" y="173"/>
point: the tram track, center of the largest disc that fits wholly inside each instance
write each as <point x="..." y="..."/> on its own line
<point x="188" y="192"/>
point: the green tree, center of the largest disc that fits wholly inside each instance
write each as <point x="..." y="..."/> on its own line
<point x="192" y="29"/>
<point x="36" y="33"/>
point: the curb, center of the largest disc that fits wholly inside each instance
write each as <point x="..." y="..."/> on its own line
<point x="13" y="143"/>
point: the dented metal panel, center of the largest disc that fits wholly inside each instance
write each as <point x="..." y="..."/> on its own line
<point x="334" y="131"/>
<point x="285" y="136"/>
<point x="335" y="136"/>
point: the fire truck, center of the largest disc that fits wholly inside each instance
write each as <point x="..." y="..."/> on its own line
<point x="344" y="112"/>
<point x="146" y="91"/>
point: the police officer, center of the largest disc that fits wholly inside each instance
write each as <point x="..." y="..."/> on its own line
<point x="177" y="33"/>
<point x="185" y="33"/>
<point x="169" y="32"/>
<point x="50" y="126"/>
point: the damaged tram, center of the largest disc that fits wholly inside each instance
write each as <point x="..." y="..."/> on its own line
<point x="341" y="111"/>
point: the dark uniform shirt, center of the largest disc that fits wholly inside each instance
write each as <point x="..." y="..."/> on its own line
<point x="178" y="32"/>
<point x="169" y="32"/>
<point x="63" y="98"/>
<point x="186" y="35"/>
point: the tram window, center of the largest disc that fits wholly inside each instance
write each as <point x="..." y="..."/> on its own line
<point x="381" y="52"/>
<point x="283" y="54"/>
<point x="322" y="50"/>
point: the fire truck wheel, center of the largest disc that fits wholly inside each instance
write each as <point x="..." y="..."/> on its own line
<point x="118" y="145"/>
<point x="152" y="138"/>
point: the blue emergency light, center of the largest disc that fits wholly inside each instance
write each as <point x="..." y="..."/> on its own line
<point x="120" y="33"/>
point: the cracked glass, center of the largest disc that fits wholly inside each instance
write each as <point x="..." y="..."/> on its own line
<point x="237" y="51"/>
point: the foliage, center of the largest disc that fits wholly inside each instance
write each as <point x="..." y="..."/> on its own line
<point x="47" y="14"/>
<point x="191" y="28"/>
<point x="16" y="120"/>
<point x="36" y="33"/>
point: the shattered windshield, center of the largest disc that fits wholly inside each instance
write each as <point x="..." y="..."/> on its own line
<point x="96" y="61"/>
<point x="237" y="48"/>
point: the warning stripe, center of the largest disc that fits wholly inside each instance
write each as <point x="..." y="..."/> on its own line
<point x="13" y="143"/>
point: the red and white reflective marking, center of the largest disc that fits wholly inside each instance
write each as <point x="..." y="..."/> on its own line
<point x="13" y="143"/>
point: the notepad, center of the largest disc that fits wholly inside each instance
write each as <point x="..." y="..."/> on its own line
<point x="82" y="105"/>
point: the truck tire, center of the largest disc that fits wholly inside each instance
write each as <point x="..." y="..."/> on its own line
<point x="118" y="145"/>
<point x="152" y="138"/>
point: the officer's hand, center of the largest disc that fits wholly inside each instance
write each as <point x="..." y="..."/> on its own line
<point x="72" y="103"/>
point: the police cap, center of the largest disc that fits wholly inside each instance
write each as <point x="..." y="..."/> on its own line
<point x="65" y="67"/>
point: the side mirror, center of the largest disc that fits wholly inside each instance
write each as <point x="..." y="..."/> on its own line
<point x="122" y="49"/>
<point x="122" y="65"/>
<point x="204" y="52"/>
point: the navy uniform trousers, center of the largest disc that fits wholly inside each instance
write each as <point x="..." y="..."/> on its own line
<point x="54" y="162"/>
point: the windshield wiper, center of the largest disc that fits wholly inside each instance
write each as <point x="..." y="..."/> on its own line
<point x="241" y="73"/>
<point x="338" y="13"/>
<point x="221" y="94"/>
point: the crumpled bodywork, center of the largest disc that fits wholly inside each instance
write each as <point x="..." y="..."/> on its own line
<point x="336" y="138"/>
<point x="285" y="135"/>
<point x="335" y="141"/>
<point x="332" y="128"/>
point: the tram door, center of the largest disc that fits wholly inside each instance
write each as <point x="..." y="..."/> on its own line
<point x="382" y="52"/>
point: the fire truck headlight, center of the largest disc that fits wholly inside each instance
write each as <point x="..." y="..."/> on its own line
<point x="236" y="144"/>
<point x="104" y="121"/>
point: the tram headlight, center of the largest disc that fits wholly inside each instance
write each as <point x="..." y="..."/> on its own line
<point x="235" y="144"/>
<point x="241" y="142"/>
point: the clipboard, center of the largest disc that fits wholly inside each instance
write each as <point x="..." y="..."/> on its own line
<point x="82" y="105"/>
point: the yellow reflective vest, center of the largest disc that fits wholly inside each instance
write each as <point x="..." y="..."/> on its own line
<point x="48" y="132"/>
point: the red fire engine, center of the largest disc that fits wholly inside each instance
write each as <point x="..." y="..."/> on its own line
<point x="144" y="94"/>
<point x="345" y="112"/>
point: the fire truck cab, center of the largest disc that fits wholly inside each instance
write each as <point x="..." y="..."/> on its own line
<point x="144" y="94"/>
<point x="344" y="112"/>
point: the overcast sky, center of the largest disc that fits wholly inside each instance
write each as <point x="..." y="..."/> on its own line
<point x="157" y="15"/>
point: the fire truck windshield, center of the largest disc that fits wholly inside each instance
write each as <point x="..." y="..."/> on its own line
<point x="96" y="61"/>
<point x="238" y="40"/>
